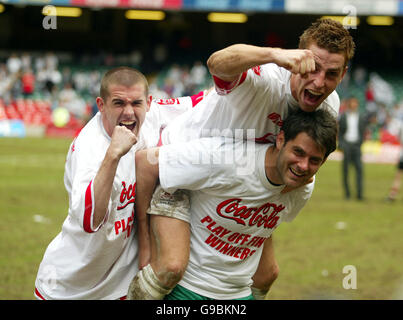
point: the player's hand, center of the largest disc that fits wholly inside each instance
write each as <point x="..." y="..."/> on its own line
<point x="296" y="60"/>
<point x="122" y="140"/>
<point x="289" y="189"/>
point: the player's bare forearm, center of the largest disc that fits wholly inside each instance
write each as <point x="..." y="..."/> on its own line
<point x="267" y="270"/>
<point x="228" y="63"/>
<point x="103" y="182"/>
<point x="121" y="142"/>
<point x="146" y="180"/>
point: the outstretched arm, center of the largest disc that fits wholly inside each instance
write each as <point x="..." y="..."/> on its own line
<point x="147" y="172"/>
<point x="227" y="64"/>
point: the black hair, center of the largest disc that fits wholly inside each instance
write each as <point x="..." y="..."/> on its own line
<point x="320" y="125"/>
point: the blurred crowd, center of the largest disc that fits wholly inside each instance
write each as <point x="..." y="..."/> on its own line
<point x="73" y="87"/>
<point x="23" y="77"/>
<point x="378" y="103"/>
<point x="179" y="81"/>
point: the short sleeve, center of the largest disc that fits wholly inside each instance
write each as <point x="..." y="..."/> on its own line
<point x="299" y="198"/>
<point x="82" y="166"/>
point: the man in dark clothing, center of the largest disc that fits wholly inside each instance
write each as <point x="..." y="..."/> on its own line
<point x="352" y="126"/>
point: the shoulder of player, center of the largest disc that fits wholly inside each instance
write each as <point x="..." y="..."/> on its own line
<point x="332" y="102"/>
<point x="333" y="98"/>
<point x="302" y="193"/>
<point x="268" y="70"/>
<point x="248" y="159"/>
<point x="168" y="102"/>
<point x="270" y="76"/>
<point x="91" y="138"/>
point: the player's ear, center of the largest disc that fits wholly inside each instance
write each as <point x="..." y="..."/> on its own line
<point x="100" y="104"/>
<point x="149" y="99"/>
<point x="344" y="73"/>
<point x="280" y="140"/>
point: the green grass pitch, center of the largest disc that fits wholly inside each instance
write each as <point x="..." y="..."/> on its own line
<point x="329" y="234"/>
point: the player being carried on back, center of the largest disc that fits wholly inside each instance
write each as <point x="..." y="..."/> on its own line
<point x="255" y="89"/>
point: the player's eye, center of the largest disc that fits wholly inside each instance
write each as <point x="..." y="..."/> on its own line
<point x="332" y="74"/>
<point x="117" y="103"/>
<point x="137" y="102"/>
<point x="298" y="152"/>
<point x="315" y="161"/>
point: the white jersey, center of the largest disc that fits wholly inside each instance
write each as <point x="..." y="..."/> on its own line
<point x="84" y="262"/>
<point x="259" y="100"/>
<point x="161" y="113"/>
<point x="234" y="209"/>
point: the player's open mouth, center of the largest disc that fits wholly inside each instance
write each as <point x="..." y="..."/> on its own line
<point x="312" y="96"/>
<point x="128" y="124"/>
<point x="299" y="175"/>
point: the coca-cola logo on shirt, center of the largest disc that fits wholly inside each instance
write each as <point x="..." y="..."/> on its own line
<point x="265" y="216"/>
<point x="127" y="196"/>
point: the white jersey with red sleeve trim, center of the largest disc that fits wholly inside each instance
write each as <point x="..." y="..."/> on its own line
<point x="84" y="262"/>
<point x="161" y="113"/>
<point x="234" y="209"/>
<point x="259" y="100"/>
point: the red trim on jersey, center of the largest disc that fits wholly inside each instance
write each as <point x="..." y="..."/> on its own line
<point x="257" y="70"/>
<point x="265" y="139"/>
<point x="88" y="210"/>
<point x="159" y="144"/>
<point x="196" y="98"/>
<point x="169" y="101"/>
<point x="38" y="294"/>
<point x="224" y="87"/>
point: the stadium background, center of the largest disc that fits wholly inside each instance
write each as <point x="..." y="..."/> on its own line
<point x="169" y="52"/>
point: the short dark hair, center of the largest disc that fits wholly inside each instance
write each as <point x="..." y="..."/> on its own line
<point x="320" y="125"/>
<point x="125" y="76"/>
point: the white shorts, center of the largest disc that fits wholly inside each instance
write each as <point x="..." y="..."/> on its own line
<point x="175" y="205"/>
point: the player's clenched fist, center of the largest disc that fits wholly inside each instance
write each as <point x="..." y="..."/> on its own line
<point x="296" y="60"/>
<point x="122" y="140"/>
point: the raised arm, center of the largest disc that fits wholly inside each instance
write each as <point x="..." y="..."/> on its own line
<point x="227" y="64"/>
<point x="121" y="141"/>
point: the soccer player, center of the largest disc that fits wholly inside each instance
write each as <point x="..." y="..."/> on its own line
<point x="95" y="256"/>
<point x="236" y="202"/>
<point x="255" y="89"/>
